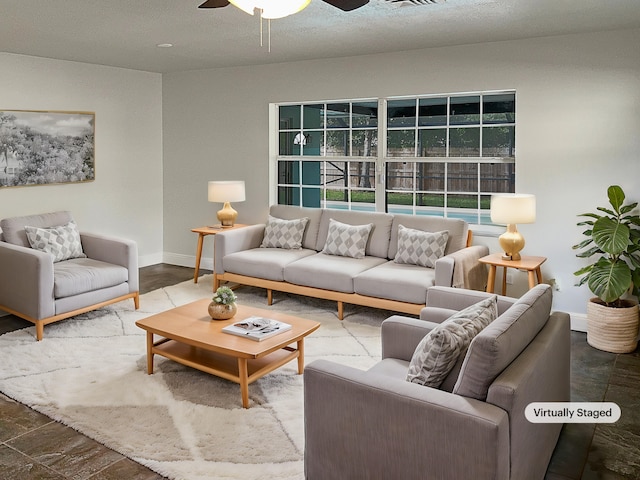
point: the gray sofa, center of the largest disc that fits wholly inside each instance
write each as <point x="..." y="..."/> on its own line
<point x="375" y="280"/>
<point x="376" y="425"/>
<point x="36" y="288"/>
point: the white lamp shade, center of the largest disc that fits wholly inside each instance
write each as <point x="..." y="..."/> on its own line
<point x="271" y="8"/>
<point x="512" y="209"/>
<point x="226" y="191"/>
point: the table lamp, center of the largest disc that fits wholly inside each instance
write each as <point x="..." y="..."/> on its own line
<point x="227" y="192"/>
<point x="511" y="209"/>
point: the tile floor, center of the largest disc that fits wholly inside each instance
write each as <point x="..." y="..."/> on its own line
<point x="33" y="446"/>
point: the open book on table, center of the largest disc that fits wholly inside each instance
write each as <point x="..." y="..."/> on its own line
<point x="257" y="328"/>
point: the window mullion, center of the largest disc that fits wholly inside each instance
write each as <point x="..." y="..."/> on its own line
<point x="381" y="157"/>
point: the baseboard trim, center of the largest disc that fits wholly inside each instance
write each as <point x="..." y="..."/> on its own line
<point x="578" y="322"/>
<point x="146" y="260"/>
<point x="186" y="260"/>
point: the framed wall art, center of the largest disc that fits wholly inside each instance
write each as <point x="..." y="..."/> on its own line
<point x="46" y="147"/>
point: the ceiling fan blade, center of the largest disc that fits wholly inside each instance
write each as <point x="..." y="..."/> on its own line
<point x="214" y="4"/>
<point x="347" y="5"/>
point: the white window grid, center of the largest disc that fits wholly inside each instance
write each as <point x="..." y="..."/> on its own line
<point x="382" y="159"/>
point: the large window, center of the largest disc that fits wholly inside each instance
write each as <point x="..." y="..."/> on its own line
<point x="316" y="149"/>
<point x="430" y="155"/>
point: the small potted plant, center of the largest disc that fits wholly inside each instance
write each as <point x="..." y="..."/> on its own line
<point x="223" y="304"/>
<point x="613" y="238"/>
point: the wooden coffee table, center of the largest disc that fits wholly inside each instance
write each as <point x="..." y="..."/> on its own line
<point x="189" y="336"/>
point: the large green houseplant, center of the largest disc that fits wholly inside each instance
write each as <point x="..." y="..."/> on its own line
<point x="613" y="238"/>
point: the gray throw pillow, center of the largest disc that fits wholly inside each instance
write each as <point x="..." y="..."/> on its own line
<point x="287" y="234"/>
<point x="416" y="247"/>
<point x="438" y="351"/>
<point x="63" y="242"/>
<point x="347" y="240"/>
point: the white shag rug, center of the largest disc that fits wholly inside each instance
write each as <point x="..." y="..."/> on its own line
<point x="89" y="372"/>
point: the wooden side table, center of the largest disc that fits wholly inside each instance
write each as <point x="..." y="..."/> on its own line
<point x="203" y="232"/>
<point x="530" y="264"/>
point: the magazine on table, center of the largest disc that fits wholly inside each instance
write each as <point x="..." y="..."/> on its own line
<point x="257" y="328"/>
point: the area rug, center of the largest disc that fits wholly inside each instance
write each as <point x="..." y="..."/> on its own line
<point x="89" y="372"/>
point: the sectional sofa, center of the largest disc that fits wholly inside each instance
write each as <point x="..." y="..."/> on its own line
<point x="317" y="259"/>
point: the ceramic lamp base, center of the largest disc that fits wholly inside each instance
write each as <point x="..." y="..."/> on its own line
<point x="511" y="242"/>
<point x="227" y="216"/>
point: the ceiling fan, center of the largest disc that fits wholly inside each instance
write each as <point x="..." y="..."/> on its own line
<point x="345" y="5"/>
<point x="270" y="9"/>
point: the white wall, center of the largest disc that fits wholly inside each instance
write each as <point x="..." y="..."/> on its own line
<point x="578" y="118"/>
<point x="126" y="197"/>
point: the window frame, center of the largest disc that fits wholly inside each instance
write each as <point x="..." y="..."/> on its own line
<point x="477" y="216"/>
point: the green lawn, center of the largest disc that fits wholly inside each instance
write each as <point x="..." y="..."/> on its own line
<point x="431" y="200"/>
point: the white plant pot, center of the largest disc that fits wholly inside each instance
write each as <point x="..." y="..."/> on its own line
<point x="612" y="329"/>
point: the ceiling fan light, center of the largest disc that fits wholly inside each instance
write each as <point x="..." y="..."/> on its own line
<point x="271" y="8"/>
<point x="247" y="6"/>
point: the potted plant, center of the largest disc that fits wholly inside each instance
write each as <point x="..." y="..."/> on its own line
<point x="613" y="238"/>
<point x="223" y="304"/>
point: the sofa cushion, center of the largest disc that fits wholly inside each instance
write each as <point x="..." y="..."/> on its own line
<point x="267" y="263"/>
<point x="13" y="228"/>
<point x="81" y="275"/>
<point x="391" y="367"/>
<point x="493" y="349"/>
<point x="416" y="247"/>
<point x="329" y="272"/>
<point x="378" y="244"/>
<point x="395" y="281"/>
<point x="457" y="230"/>
<point x="438" y="351"/>
<point x="287" y="234"/>
<point x="397" y="368"/>
<point x="291" y="212"/>
<point x="347" y="240"/>
<point x="63" y="241"/>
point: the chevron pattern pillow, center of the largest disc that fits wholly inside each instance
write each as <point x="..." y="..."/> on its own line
<point x="438" y="352"/>
<point x="285" y="234"/>
<point x="347" y="240"/>
<point x="416" y="247"/>
<point x="63" y="242"/>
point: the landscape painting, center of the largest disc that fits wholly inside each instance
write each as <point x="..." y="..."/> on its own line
<point x="40" y="147"/>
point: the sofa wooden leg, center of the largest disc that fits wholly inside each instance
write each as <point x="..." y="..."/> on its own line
<point x="39" y="330"/>
<point x="340" y="311"/>
<point x="269" y="296"/>
<point x="136" y="301"/>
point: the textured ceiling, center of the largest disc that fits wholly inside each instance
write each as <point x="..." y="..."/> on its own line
<point x="125" y="33"/>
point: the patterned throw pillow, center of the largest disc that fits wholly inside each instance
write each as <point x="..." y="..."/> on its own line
<point x="347" y="240"/>
<point x="438" y="351"/>
<point x="63" y="242"/>
<point x="286" y="234"/>
<point x="416" y="247"/>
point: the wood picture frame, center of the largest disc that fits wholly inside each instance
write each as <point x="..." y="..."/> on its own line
<point x="39" y="147"/>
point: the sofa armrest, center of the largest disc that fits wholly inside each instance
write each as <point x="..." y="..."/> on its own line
<point x="462" y="269"/>
<point x="436" y="314"/>
<point x="541" y="373"/>
<point x="447" y="300"/>
<point x="366" y="425"/>
<point x="26" y="281"/>
<point x="400" y="336"/>
<point x="232" y="241"/>
<point x="117" y="251"/>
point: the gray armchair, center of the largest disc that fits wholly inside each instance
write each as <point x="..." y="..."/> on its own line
<point x="41" y="291"/>
<point x="376" y="425"/>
